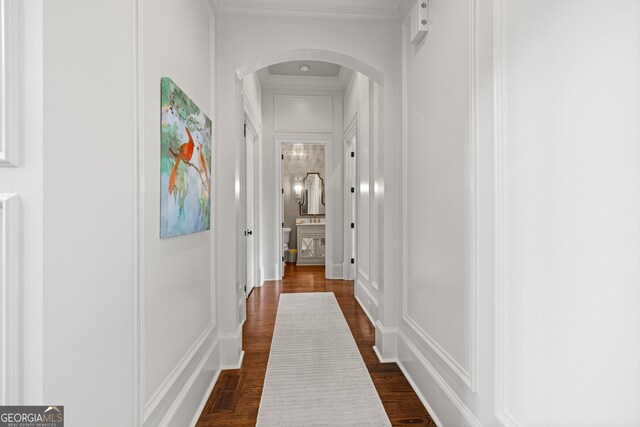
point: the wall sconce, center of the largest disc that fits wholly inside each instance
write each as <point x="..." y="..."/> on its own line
<point x="298" y="190"/>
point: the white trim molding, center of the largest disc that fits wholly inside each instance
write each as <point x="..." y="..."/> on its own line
<point x="312" y="55"/>
<point x="167" y="401"/>
<point x="10" y="354"/>
<point x="371" y="310"/>
<point x="231" y="355"/>
<point x="278" y="82"/>
<point x="453" y="364"/>
<point x="388" y="340"/>
<point x="458" y="413"/>
<point x="10" y="80"/>
<point x="360" y="9"/>
<point x="501" y="212"/>
<point x="172" y="385"/>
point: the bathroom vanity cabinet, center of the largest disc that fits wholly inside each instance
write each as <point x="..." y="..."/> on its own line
<point x="311" y="244"/>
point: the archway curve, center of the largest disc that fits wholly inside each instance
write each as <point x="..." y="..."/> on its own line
<point x="312" y="55"/>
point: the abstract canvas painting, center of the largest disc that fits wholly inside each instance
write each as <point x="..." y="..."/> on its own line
<point x="185" y="176"/>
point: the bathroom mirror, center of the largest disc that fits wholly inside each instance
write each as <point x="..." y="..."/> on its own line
<point x="312" y="195"/>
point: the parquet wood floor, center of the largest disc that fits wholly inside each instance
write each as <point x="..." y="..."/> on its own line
<point x="235" y="398"/>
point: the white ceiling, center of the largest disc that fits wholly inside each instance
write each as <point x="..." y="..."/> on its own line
<point x="385" y="9"/>
<point x="316" y="69"/>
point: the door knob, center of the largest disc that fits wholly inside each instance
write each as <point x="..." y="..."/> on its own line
<point x="250" y="233"/>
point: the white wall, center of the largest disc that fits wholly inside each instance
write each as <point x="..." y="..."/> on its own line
<point x="244" y="39"/>
<point x="358" y="106"/>
<point x="24" y="178"/>
<point x="571" y="207"/>
<point x="328" y="105"/>
<point x="114" y="292"/>
<point x="438" y="295"/>
<point x="179" y="328"/>
<point x="89" y="262"/>
<point x="522" y="239"/>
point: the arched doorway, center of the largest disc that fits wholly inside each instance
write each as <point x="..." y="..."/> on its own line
<point x="371" y="298"/>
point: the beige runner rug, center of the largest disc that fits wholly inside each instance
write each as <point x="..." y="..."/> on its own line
<point x="315" y="374"/>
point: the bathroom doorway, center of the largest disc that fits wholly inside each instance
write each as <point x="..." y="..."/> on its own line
<point x="303" y="200"/>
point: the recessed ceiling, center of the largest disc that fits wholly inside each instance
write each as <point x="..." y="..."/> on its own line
<point x="316" y="69"/>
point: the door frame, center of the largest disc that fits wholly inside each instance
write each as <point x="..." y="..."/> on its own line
<point x="253" y="125"/>
<point x="305" y="139"/>
<point x="349" y="270"/>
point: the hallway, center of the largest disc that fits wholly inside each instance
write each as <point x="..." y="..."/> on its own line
<point x="466" y="172"/>
<point x="236" y="396"/>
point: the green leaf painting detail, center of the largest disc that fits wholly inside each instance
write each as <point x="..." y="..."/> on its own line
<point x="185" y="164"/>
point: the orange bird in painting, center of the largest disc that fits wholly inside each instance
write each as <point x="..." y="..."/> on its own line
<point x="185" y="152"/>
<point x="203" y="165"/>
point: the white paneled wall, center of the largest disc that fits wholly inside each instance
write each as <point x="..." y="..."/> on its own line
<point x="358" y="108"/>
<point x="522" y="199"/>
<point x="129" y="319"/>
<point x="21" y="206"/>
<point x="179" y="303"/>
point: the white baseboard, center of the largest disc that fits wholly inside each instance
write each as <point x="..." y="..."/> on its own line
<point x="383" y="359"/>
<point x="444" y="405"/>
<point x="270" y="272"/>
<point x="366" y="311"/>
<point x="165" y="402"/>
<point x="386" y="347"/>
<point x="334" y="271"/>
<point x="367" y="300"/>
<point x="190" y="403"/>
<point x="205" y="399"/>
<point x="231" y="354"/>
<point x="235" y="366"/>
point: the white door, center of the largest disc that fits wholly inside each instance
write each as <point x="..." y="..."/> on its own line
<point x="250" y="192"/>
<point x="352" y="192"/>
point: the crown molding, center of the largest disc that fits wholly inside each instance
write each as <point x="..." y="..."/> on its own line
<point x="269" y="81"/>
<point x="379" y="9"/>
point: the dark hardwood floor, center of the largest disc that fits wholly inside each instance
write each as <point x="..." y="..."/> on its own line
<point x="235" y="398"/>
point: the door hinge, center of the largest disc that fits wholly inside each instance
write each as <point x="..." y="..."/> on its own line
<point x="245" y="130"/>
<point x="282" y="156"/>
<point x="283" y="191"/>
<point x="245" y="289"/>
<point x="353" y="260"/>
<point x="282" y="259"/>
<point x="353" y="190"/>
<point x="283" y="225"/>
<point x="353" y="225"/>
<point x="353" y="154"/>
